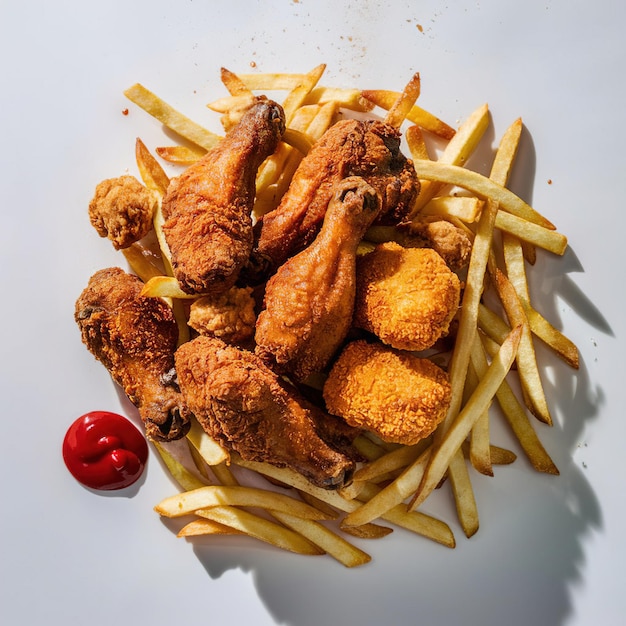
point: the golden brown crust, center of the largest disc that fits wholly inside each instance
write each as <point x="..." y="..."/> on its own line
<point x="135" y="337"/>
<point x="229" y="316"/>
<point x="369" y="149"/>
<point x="405" y="296"/>
<point x="207" y="209"/>
<point x="122" y="209"/>
<point x="310" y="300"/>
<point x="253" y="411"/>
<point x="396" y="395"/>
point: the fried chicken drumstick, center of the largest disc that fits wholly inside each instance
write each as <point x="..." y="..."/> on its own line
<point x="370" y="149"/>
<point x="135" y="338"/>
<point x="310" y="300"/>
<point x="207" y="209"/>
<point x="251" y="410"/>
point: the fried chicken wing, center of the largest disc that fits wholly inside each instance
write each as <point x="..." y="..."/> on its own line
<point x="407" y="297"/>
<point x="207" y="209"/>
<point x="252" y="411"/>
<point x="370" y="149"/>
<point x="135" y="338"/>
<point x="395" y="394"/>
<point x="310" y="300"/>
<point x="122" y="209"/>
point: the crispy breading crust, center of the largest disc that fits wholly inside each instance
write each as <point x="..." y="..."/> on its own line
<point x="396" y="395"/>
<point x="405" y="296"/>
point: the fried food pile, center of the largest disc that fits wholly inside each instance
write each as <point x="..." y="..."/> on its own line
<point x="308" y="304"/>
<point x="274" y="304"/>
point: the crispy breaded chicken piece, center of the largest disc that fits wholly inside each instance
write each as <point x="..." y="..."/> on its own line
<point x="407" y="297"/>
<point x="251" y="410"/>
<point x="395" y="394"/>
<point x="207" y="209"/>
<point x="229" y="316"/>
<point x="370" y="149"/>
<point x="452" y="243"/>
<point x="135" y="338"/>
<point x="122" y="209"/>
<point x="310" y="300"/>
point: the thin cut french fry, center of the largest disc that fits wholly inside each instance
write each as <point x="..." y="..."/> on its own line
<point x="457" y="152"/>
<point x="212" y="453"/>
<point x="233" y="83"/>
<point x="180" y="155"/>
<point x="165" y="287"/>
<point x="331" y="543"/>
<point x="385" y="99"/>
<point x="416" y="522"/>
<point x="402" y="106"/>
<point x="152" y="174"/>
<point x="481" y="186"/>
<point x="526" y="358"/>
<point x="179" y="472"/>
<point x="458" y="431"/>
<point x="517" y="418"/>
<point x="171" y="118"/>
<point x="200" y="527"/>
<point x="217" y="495"/>
<point x="261" y="528"/>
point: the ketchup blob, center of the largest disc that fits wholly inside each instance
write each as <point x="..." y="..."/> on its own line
<point x="104" y="451"/>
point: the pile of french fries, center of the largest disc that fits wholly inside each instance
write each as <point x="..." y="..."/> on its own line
<point x="494" y="342"/>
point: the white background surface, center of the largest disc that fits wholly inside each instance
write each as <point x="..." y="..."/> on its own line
<point x="550" y="550"/>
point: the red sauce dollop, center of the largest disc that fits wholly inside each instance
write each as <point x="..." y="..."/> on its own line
<point x="105" y="451"/>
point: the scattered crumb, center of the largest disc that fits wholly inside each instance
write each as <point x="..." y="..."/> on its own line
<point x="420" y="28"/>
<point x="549" y="181"/>
<point x="124" y="111"/>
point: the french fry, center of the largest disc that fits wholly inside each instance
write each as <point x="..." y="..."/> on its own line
<point x="328" y="541"/>
<point x="526" y="357"/>
<point x="298" y="140"/>
<point x="233" y="83"/>
<point x="517" y="419"/>
<point x="297" y="96"/>
<point x="392" y="495"/>
<point x="218" y="495"/>
<point x="165" y="287"/>
<point x="415" y="141"/>
<point x="402" y="106"/>
<point x="463" y="492"/>
<point x="152" y="174"/>
<point x="171" y="118"/>
<point x="345" y="98"/>
<point x="141" y="262"/>
<point x="546" y="238"/>
<point x="417" y="522"/>
<point x="212" y="453"/>
<point x="261" y="528"/>
<point x="186" y="479"/>
<point x="179" y="155"/>
<point x="499" y="456"/>
<point x="385" y="99"/>
<point x="465" y="208"/>
<point x="457" y="152"/>
<point x="455" y="435"/>
<point x="206" y="527"/>
<point x="367" y="531"/>
<point x="390" y="462"/>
